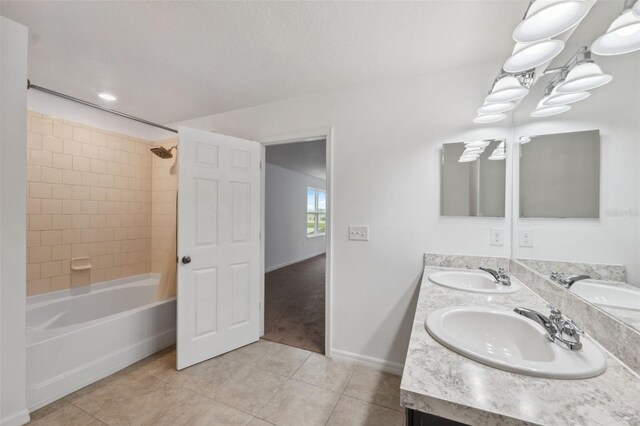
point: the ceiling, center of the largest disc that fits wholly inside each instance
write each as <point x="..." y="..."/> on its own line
<point x="171" y="61"/>
<point x="308" y="158"/>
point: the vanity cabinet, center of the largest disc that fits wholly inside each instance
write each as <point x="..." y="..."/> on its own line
<point x="418" y="418"/>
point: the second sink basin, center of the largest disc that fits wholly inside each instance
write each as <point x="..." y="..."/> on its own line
<point x="607" y="295"/>
<point x="511" y="342"/>
<point x="473" y="281"/>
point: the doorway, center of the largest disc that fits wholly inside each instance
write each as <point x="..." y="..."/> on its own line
<point x="296" y="234"/>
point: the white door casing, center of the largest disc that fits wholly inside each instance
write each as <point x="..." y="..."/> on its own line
<point x="219" y="230"/>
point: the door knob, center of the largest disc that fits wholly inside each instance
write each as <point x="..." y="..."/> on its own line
<point x="186" y="259"/>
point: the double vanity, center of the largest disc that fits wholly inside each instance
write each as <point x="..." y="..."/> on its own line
<point x="486" y="349"/>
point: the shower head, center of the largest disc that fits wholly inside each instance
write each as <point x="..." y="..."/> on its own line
<point x="163" y="152"/>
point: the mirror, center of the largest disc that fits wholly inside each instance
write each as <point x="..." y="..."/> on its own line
<point x="560" y="175"/>
<point x="576" y="192"/>
<point x="473" y="176"/>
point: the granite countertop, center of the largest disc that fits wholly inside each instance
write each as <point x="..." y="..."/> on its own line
<point x="441" y="382"/>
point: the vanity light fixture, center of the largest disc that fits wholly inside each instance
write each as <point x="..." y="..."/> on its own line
<point x="489" y="118"/>
<point x="557" y="98"/>
<point x="524" y="139"/>
<point x="477" y="144"/>
<point x="545" y="19"/>
<point x="551" y="110"/>
<point x="582" y="77"/>
<point x="498" y="153"/>
<point x="495" y="108"/>
<point x="528" y="56"/>
<point x="623" y="35"/>
<point x="507" y="89"/>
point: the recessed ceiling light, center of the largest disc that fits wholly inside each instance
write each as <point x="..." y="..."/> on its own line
<point x="623" y="36"/>
<point x="106" y="96"/>
<point x="546" y="19"/>
<point x="528" y="56"/>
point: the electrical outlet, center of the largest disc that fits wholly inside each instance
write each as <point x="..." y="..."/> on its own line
<point x="497" y="237"/>
<point x="525" y="238"/>
<point x="359" y="233"/>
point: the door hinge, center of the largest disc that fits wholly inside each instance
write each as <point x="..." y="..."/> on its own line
<point x="260" y="165"/>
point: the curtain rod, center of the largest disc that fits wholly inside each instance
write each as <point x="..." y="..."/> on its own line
<point x="100" y="107"/>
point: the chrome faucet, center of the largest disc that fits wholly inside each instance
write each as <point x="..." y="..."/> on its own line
<point x="559" y="328"/>
<point x="500" y="275"/>
<point x="565" y="281"/>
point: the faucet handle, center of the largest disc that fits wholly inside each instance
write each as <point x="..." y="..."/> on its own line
<point x="556" y="314"/>
<point x="571" y="327"/>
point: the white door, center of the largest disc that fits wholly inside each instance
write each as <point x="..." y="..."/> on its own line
<point x="218" y="244"/>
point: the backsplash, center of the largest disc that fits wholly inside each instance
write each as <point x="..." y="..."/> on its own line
<point x="89" y="194"/>
<point x="596" y="271"/>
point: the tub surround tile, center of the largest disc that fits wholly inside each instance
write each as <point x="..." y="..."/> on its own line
<point x="621" y="339"/>
<point x="597" y="271"/>
<point x="68" y="180"/>
<point x="441" y="382"/>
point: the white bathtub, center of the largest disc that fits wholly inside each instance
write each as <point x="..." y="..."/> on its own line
<point x="78" y="336"/>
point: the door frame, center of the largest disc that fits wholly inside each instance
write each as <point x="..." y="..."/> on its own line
<point x="303" y="136"/>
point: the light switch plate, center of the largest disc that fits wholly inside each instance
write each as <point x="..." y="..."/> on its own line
<point x="497" y="237"/>
<point x="525" y="238"/>
<point x="359" y="233"/>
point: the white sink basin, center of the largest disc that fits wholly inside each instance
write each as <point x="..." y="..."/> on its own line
<point x="511" y="342"/>
<point x="607" y="295"/>
<point x="474" y="281"/>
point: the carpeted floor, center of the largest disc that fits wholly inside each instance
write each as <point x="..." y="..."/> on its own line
<point x="294" y="304"/>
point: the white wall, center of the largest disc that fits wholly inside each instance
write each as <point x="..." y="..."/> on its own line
<point x="286" y="240"/>
<point x="13" y="201"/>
<point x="615" y="237"/>
<point x="385" y="174"/>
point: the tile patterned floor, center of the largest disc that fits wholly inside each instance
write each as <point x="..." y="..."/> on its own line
<point x="265" y="383"/>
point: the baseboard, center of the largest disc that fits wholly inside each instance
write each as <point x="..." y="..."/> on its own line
<point x="18" y="419"/>
<point x="291" y="262"/>
<point x="371" y="362"/>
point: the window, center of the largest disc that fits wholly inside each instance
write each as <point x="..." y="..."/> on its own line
<point x="316" y="212"/>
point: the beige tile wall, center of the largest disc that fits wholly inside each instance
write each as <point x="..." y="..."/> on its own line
<point x="163" y="206"/>
<point x="89" y="195"/>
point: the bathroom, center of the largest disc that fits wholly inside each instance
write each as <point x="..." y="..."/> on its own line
<point x="132" y="281"/>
